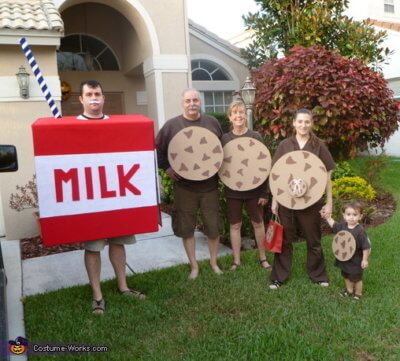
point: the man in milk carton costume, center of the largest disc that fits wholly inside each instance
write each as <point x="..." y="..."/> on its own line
<point x="92" y="99"/>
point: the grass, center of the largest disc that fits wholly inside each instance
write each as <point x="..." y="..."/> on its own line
<point x="235" y="316"/>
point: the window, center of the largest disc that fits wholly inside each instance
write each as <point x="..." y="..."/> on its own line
<point x="214" y="83"/>
<point x="217" y="101"/>
<point x="389" y="6"/>
<point x="208" y="70"/>
<point x="82" y="52"/>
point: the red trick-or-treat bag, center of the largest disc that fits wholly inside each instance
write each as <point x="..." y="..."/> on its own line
<point x="274" y="236"/>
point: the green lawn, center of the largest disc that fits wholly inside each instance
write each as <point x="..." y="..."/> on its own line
<point x="235" y="316"/>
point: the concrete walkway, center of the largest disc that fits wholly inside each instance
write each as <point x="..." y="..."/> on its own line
<point x="44" y="274"/>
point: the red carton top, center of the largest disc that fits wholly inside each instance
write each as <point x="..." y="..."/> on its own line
<point x="69" y="135"/>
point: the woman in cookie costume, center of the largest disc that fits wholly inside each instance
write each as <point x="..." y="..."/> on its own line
<point x="306" y="221"/>
<point x="196" y="180"/>
<point x="253" y="199"/>
<point x="351" y="264"/>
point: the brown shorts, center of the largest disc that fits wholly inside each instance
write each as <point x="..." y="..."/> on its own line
<point x="185" y="209"/>
<point x="235" y="206"/>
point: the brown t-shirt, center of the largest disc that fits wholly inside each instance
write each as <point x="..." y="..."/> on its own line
<point x="318" y="148"/>
<point x="259" y="192"/>
<point x="164" y="137"/>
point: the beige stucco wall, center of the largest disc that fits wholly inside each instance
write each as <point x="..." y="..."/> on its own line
<point x="138" y="43"/>
<point x="173" y="104"/>
<point x="169" y="20"/>
<point x="12" y="57"/>
<point x="16" y="117"/>
<point x="16" y="120"/>
<point x="129" y="31"/>
<point x="108" y="25"/>
<point x="198" y="46"/>
<point x="112" y="81"/>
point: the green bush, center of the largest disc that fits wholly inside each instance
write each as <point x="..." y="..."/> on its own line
<point x="356" y="188"/>
<point x="223" y="120"/>
<point x="167" y="188"/>
<point x="351" y="188"/>
<point x="343" y="169"/>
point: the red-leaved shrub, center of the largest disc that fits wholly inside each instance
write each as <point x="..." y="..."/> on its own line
<point x="352" y="104"/>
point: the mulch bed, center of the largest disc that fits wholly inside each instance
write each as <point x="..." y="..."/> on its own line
<point x="383" y="207"/>
<point x="33" y="247"/>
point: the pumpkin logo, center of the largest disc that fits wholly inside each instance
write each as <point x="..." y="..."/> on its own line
<point x="18" y="346"/>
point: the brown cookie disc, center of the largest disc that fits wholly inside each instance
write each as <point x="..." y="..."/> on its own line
<point x="195" y="153"/>
<point x="246" y="164"/>
<point x="343" y="246"/>
<point x="298" y="179"/>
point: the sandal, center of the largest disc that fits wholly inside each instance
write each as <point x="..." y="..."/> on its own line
<point x="357" y="297"/>
<point x="323" y="283"/>
<point x="234" y="266"/>
<point x="262" y="262"/>
<point x="98" y="307"/>
<point x="275" y="284"/>
<point x="133" y="294"/>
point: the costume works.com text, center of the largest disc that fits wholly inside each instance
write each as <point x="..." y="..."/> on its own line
<point x="64" y="348"/>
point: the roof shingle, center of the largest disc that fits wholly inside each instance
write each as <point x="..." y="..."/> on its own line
<point x="30" y="15"/>
<point x="385" y="24"/>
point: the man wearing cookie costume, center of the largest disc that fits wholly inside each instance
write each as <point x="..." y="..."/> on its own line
<point x="308" y="219"/>
<point x="192" y="193"/>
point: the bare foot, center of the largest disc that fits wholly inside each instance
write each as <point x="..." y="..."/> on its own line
<point x="217" y="270"/>
<point x="194" y="274"/>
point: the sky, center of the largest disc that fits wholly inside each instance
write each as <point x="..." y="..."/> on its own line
<point x="222" y="17"/>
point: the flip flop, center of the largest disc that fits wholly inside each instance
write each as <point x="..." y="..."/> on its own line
<point x="262" y="261"/>
<point x="98" y="307"/>
<point x="133" y="294"/>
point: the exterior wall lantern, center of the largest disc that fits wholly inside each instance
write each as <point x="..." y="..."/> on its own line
<point x="248" y="95"/>
<point x="23" y="82"/>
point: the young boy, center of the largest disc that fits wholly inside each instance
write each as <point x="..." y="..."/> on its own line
<point x="352" y="270"/>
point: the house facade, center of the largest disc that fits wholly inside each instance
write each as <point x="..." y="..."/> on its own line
<point x="384" y="15"/>
<point x="144" y="52"/>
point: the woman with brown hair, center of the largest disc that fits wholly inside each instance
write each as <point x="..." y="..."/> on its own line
<point x="253" y="199"/>
<point x="306" y="221"/>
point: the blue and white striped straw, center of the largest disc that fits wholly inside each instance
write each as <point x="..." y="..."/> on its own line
<point x="39" y="77"/>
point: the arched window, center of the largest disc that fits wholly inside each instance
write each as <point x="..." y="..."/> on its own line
<point x="83" y="52"/>
<point x="208" y="70"/>
<point x="214" y="84"/>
